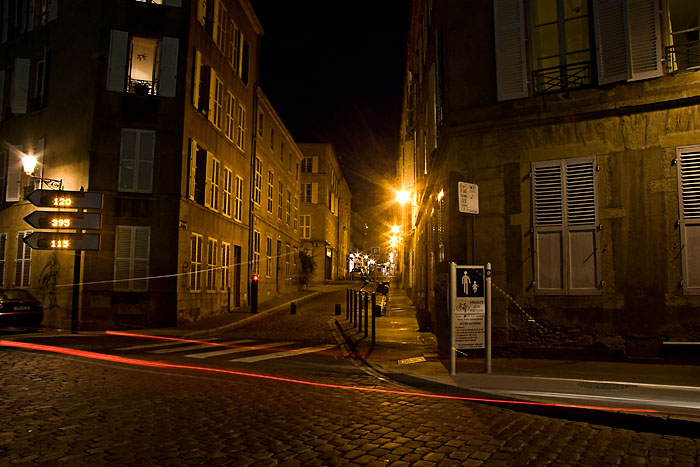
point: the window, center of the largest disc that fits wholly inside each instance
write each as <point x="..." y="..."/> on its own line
<point x="268" y="247"/>
<point x="565" y="218"/>
<point x="195" y="263"/>
<point x="257" y="190"/>
<point x="136" y="160"/>
<point x="296" y="213"/>
<point x="256" y="252"/>
<point x="288" y="207"/>
<point x="213" y="172"/>
<point x="688" y="177"/>
<point x="211" y="263"/>
<point x="218" y="102"/>
<point x="270" y="190"/>
<point x="683" y="50"/>
<point x="23" y="260"/>
<point x="280" y="200"/>
<point x="228" y="192"/>
<point x="272" y="139"/>
<point x="142" y="65"/>
<point x="220" y="23"/>
<point x="231" y="33"/>
<point x="225" y="266"/>
<point x="296" y="173"/>
<point x="307" y="164"/>
<point x="238" y="206"/>
<point x="41" y="13"/>
<point x="38" y="100"/>
<point x="131" y="256"/>
<point x="305" y="226"/>
<point x="306" y="193"/>
<point x="3" y="253"/>
<point x="240" y="132"/>
<point x="198" y="174"/>
<point x="286" y="259"/>
<point x="561" y="46"/>
<point x="261" y="121"/>
<point x="230" y="109"/>
<point x="282" y="152"/>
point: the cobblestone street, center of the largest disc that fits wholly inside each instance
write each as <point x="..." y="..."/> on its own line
<point x="64" y="410"/>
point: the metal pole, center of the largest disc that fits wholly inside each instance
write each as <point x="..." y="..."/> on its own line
<point x="488" y="318"/>
<point x="354" y="308"/>
<point x="374" y="316"/>
<point x="76" y="293"/>
<point x="450" y="293"/>
<point x="359" y="314"/>
<point x="366" y="311"/>
<point x="347" y="304"/>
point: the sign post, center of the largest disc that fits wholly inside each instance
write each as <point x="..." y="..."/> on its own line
<point x="469" y="308"/>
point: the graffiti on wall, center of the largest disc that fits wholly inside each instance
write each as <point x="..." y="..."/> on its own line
<point x="47" y="283"/>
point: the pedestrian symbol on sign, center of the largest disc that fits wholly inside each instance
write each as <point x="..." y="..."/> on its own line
<point x="472" y="282"/>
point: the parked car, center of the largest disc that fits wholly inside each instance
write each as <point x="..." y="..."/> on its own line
<point x="358" y="273"/>
<point x="20" y="308"/>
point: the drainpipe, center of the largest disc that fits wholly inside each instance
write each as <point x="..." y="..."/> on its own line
<point x="253" y="144"/>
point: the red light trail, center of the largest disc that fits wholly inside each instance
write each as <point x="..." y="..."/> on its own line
<point x="146" y="363"/>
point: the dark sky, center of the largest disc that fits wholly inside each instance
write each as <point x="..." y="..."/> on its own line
<point x="333" y="71"/>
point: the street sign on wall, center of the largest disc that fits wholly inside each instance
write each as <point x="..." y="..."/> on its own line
<point x="65" y="199"/>
<point x="468" y="197"/>
<point x="64" y="220"/>
<point x="62" y="241"/>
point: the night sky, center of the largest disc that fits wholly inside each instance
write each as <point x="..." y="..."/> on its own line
<point x="334" y="73"/>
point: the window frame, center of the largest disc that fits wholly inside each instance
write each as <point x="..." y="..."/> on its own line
<point x="195" y="282"/>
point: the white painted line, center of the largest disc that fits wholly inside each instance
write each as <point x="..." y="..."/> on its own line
<point x="221" y="352"/>
<point x="261" y="346"/>
<point x="164" y="343"/>
<point x="654" y="402"/>
<point x="191" y="347"/>
<point x="288" y="353"/>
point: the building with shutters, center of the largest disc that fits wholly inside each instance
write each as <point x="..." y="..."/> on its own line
<point x="324" y="215"/>
<point x="578" y="121"/>
<point x="151" y="103"/>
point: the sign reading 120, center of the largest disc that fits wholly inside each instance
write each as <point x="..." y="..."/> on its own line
<point x="62" y="201"/>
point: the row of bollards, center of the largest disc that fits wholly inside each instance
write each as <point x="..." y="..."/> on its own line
<point x="358" y="301"/>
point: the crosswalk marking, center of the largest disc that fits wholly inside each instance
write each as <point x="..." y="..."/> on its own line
<point x="221" y="352"/>
<point x="157" y="344"/>
<point x="191" y="347"/>
<point x="261" y="346"/>
<point x="288" y="353"/>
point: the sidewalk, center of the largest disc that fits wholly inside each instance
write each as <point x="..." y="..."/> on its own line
<point x="405" y="354"/>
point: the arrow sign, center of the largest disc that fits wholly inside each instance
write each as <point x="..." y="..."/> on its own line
<point x="63" y="220"/>
<point x="62" y="241"/>
<point x="65" y="199"/>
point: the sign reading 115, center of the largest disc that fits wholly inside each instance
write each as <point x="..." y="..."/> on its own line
<point x="62" y="201"/>
<point x="60" y="243"/>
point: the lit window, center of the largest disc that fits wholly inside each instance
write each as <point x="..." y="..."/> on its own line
<point x="256" y="252"/>
<point x="238" y="206"/>
<point x="227" y="192"/>
<point x="258" y="181"/>
<point x="270" y="190"/>
<point x="211" y="264"/>
<point x="240" y="133"/>
<point x="196" y="263"/>
<point x="305" y="226"/>
<point x="225" y="265"/>
<point x="230" y="111"/>
<point x="23" y="260"/>
<point x="143" y="65"/>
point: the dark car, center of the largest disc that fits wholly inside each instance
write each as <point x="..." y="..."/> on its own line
<point x="20" y="308"/>
<point x="357" y="273"/>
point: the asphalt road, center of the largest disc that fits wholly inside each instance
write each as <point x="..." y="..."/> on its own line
<point x="312" y="408"/>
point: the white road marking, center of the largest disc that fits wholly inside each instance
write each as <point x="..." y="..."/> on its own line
<point x="220" y="352"/>
<point x="163" y="343"/>
<point x="288" y="353"/>
<point x="191" y="347"/>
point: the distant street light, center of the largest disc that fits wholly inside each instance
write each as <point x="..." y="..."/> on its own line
<point x="402" y="196"/>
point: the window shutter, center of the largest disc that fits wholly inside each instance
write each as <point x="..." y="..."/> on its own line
<point x="511" y="66"/>
<point x="53" y="9"/>
<point x="645" y="38"/>
<point x="689" y="199"/>
<point x="5" y="19"/>
<point x="211" y="113"/>
<point x="168" y="67"/>
<point x="314" y="164"/>
<point x="193" y="168"/>
<point x="144" y="169"/>
<point x="3" y="174"/>
<point x="548" y="213"/>
<point x="2" y="94"/>
<point x="19" y="89"/>
<point x="116" y="68"/>
<point x="30" y="16"/>
<point x="245" y="59"/>
<point x="141" y="251"/>
<point x="208" y="186"/>
<point x="204" y="82"/>
<point x="611" y="40"/>
<point x="314" y="192"/>
<point x="195" y="78"/>
<point x="122" y="258"/>
<point x="582" y="223"/>
<point x="201" y="11"/>
<point x="127" y="160"/>
<point x="14" y="174"/>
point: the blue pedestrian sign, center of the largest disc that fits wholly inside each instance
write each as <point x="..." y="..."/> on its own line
<point x="470" y="282"/>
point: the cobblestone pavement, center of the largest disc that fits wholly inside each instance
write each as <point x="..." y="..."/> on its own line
<point x="71" y="411"/>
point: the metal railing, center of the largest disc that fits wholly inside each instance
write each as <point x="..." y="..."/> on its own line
<point x="683" y="57"/>
<point x="143" y="87"/>
<point x="562" y="78"/>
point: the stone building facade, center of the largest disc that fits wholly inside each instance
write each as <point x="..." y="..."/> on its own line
<point x="581" y="130"/>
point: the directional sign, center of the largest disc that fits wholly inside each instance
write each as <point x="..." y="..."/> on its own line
<point x="63" y="220"/>
<point x="62" y="241"/>
<point x="65" y="199"/>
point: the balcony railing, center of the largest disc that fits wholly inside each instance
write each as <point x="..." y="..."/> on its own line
<point x="562" y="78"/>
<point x="683" y="57"/>
<point x="143" y="87"/>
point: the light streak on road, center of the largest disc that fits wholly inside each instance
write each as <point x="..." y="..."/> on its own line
<point x="146" y="363"/>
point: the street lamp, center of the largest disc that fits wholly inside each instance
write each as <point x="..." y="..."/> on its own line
<point x="29" y="163"/>
<point x="402" y="196"/>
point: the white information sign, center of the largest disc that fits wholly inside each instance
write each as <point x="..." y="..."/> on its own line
<point x="468" y="197"/>
<point x="468" y="307"/>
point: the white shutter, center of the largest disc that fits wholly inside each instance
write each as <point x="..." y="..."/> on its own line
<point x="19" y="89"/>
<point x="144" y="168"/>
<point x="193" y="168"/>
<point x="2" y="94"/>
<point x="689" y="200"/>
<point x="511" y="65"/>
<point x="548" y="219"/>
<point x="314" y="164"/>
<point x="53" y="9"/>
<point x="211" y="114"/>
<point x="195" y="78"/>
<point x="645" y="38"/>
<point x="581" y="223"/>
<point x="122" y="258"/>
<point x="208" y="185"/>
<point x="611" y="40"/>
<point x="116" y="68"/>
<point x="201" y="11"/>
<point x="175" y="3"/>
<point x="14" y="174"/>
<point x="314" y="192"/>
<point x="168" y="67"/>
<point x="127" y="160"/>
<point x="140" y="255"/>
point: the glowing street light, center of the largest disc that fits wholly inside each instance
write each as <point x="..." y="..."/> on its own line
<point x="394" y="229"/>
<point x="402" y="196"/>
<point x="29" y="164"/>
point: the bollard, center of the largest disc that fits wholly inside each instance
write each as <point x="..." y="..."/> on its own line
<point x="359" y="313"/>
<point x="366" y="311"/>
<point x="374" y="316"/>
<point x="293" y="308"/>
<point x="337" y="309"/>
<point x="347" y="304"/>
<point x="354" y="308"/>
